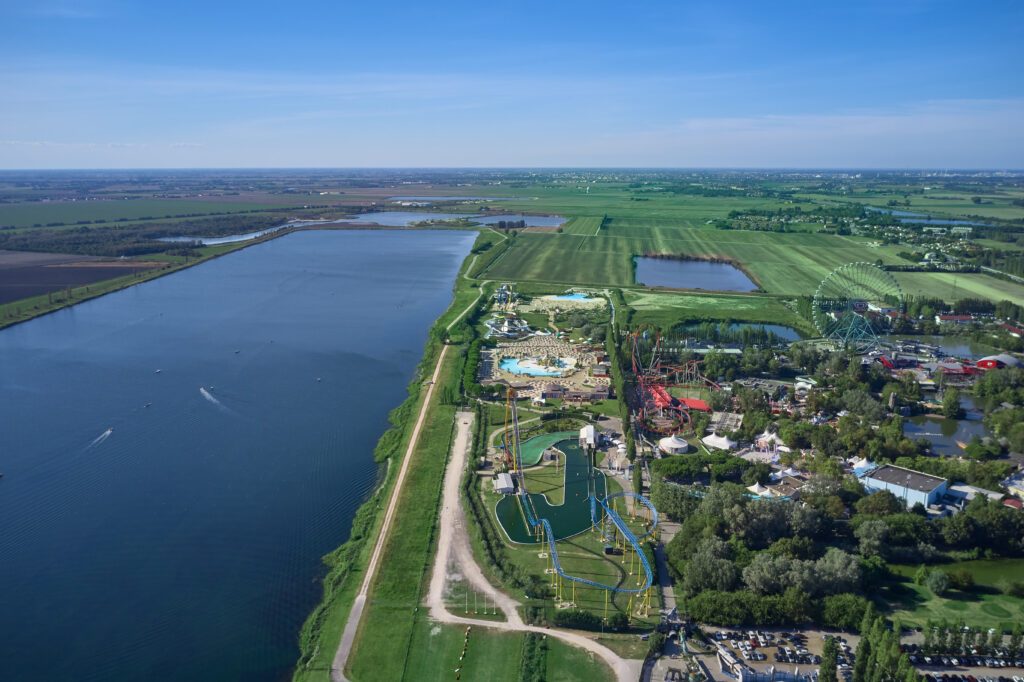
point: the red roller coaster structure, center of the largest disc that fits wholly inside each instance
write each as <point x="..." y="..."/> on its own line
<point x="656" y="410"/>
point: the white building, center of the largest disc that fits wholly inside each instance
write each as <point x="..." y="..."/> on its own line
<point x="503" y="484"/>
<point x="588" y="436"/>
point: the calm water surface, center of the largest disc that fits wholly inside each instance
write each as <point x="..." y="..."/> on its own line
<point x="185" y="543"/>
<point x="782" y="331"/>
<point x="944" y="434"/>
<point x="691" y="274"/>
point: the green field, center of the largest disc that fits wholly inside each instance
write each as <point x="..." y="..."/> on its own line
<point x="70" y="212"/>
<point x="950" y="286"/>
<point x="494" y="656"/>
<point x="790" y="264"/>
<point x="947" y="204"/>
<point x="984" y="606"/>
<point x="665" y="309"/>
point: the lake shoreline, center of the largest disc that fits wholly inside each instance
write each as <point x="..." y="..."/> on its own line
<point x="83" y="296"/>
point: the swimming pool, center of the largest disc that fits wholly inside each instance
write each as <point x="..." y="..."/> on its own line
<point x="530" y="367"/>
<point x="570" y="297"/>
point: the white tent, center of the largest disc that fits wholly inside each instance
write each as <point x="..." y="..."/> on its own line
<point x="673" y="445"/>
<point x="718" y="442"/>
<point x="767" y="439"/>
<point x="759" y="490"/>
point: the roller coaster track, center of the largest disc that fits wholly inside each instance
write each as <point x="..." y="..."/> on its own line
<point x="607" y="505"/>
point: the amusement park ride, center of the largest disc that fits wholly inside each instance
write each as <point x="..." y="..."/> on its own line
<point x="658" y="412"/>
<point x="851" y="303"/>
<point x="605" y="520"/>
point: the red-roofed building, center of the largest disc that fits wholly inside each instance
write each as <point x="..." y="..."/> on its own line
<point x="954" y="319"/>
<point x="695" y="404"/>
<point x="1014" y="331"/>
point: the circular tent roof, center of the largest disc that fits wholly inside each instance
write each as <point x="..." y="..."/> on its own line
<point x="673" y="444"/>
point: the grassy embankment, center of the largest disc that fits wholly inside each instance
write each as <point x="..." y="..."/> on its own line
<point x="322" y="630"/>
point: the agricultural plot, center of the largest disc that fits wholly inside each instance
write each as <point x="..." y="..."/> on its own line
<point x="589" y="226"/>
<point x="790" y="264"/>
<point x="944" y="203"/>
<point x="561" y="258"/>
<point x="665" y="309"/>
<point x="70" y="212"/>
<point x="953" y="286"/>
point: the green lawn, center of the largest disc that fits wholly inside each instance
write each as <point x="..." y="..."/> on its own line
<point x="984" y="606"/>
<point x="666" y="309"/>
<point x="548" y="480"/>
<point x="951" y="286"/>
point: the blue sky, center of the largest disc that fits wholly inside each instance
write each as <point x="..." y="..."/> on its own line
<point x="888" y="83"/>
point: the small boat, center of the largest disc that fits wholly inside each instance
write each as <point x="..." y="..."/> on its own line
<point x="147" y="404"/>
<point x="237" y="352"/>
<point x="318" y="379"/>
<point x="962" y="445"/>
<point x="158" y="371"/>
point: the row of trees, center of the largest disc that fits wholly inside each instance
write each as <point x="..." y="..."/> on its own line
<point x="957" y="638"/>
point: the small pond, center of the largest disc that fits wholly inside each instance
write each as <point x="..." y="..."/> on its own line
<point x="531" y="220"/>
<point x="955" y="346"/>
<point x="405" y="218"/>
<point x="921" y="218"/>
<point x="691" y="274"/>
<point x="944" y="434"/>
<point x="783" y="332"/>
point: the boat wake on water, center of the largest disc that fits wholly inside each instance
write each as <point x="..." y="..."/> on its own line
<point x="213" y="399"/>
<point x="102" y="437"/>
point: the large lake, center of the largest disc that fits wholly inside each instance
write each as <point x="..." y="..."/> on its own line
<point x="691" y="274"/>
<point x="185" y="544"/>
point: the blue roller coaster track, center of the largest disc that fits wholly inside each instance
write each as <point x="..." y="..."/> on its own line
<point x="605" y="503"/>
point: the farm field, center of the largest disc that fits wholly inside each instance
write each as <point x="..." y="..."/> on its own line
<point x="951" y="286"/>
<point x="24" y="274"/>
<point x="985" y="606"/>
<point x="664" y="309"/>
<point x="112" y="210"/>
<point x="790" y="264"/>
<point x="943" y="203"/>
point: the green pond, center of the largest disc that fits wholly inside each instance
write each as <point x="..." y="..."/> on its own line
<point x="572" y="517"/>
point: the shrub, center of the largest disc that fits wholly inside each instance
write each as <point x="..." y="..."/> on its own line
<point x="937" y="582"/>
<point x="580" y="619"/>
<point x="961" y="579"/>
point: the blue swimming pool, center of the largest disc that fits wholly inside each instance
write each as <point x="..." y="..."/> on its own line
<point x="528" y="367"/>
<point x="571" y="297"/>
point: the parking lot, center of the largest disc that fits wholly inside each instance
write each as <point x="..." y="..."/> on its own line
<point x="783" y="650"/>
